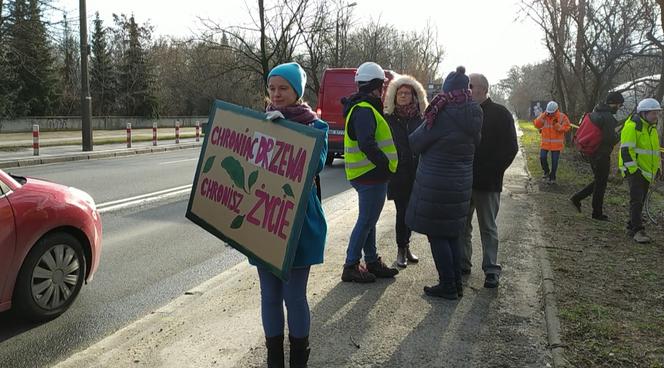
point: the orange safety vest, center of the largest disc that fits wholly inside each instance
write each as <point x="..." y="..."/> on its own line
<point x="553" y="128"/>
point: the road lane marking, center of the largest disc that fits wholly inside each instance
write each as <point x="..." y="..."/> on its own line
<point x="177" y="161"/>
<point x="143" y="199"/>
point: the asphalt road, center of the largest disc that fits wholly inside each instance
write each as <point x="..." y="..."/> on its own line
<point x="151" y="254"/>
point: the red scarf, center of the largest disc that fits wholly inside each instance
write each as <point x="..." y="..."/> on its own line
<point x="456" y="97"/>
<point x="299" y="112"/>
<point x="407" y="111"/>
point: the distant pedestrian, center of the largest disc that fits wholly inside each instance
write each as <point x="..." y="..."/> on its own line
<point x="600" y="161"/>
<point x="493" y="156"/>
<point x="370" y="159"/>
<point x="552" y="124"/>
<point x="405" y="102"/>
<point x="440" y="199"/>
<point x="286" y="83"/>
<point x="639" y="161"/>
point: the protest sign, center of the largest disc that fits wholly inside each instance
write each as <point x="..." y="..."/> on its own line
<point x="252" y="183"/>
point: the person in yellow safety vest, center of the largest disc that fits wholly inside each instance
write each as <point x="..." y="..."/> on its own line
<point x="552" y="124"/>
<point x="639" y="161"/>
<point x="370" y="159"/>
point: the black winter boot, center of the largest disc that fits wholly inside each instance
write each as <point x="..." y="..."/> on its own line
<point x="275" y="351"/>
<point x="299" y="351"/>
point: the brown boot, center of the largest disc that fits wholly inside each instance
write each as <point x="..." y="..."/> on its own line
<point x="401" y="257"/>
<point x="275" y="351"/>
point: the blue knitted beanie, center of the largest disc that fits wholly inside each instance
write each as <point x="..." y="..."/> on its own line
<point x="456" y="80"/>
<point x="294" y="74"/>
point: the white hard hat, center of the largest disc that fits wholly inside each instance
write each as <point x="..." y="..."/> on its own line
<point x="648" y="104"/>
<point x="369" y="71"/>
<point x="551" y="107"/>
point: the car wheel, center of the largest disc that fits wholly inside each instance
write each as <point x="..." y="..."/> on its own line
<point x="329" y="159"/>
<point x="50" y="278"/>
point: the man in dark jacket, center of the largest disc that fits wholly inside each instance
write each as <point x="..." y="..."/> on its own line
<point x="493" y="156"/>
<point x="370" y="159"/>
<point x="602" y="116"/>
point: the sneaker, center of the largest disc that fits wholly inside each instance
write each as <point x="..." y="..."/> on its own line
<point x="545" y="176"/>
<point x="576" y="203"/>
<point x="601" y="217"/>
<point x="641" y="237"/>
<point x="491" y="281"/>
<point x="551" y="182"/>
<point x="380" y="269"/>
<point x="357" y="273"/>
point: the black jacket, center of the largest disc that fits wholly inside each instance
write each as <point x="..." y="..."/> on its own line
<point x="401" y="182"/>
<point x="497" y="148"/>
<point x="440" y="199"/>
<point x="362" y="128"/>
<point x="603" y="118"/>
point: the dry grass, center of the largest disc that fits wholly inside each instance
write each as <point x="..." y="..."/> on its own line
<point x="610" y="290"/>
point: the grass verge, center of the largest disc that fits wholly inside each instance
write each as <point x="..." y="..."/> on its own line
<point x="609" y="289"/>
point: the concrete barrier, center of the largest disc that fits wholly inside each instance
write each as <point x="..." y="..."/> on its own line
<point x="54" y="123"/>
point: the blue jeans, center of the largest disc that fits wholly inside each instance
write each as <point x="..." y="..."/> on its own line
<point x="446" y="256"/>
<point x="294" y="292"/>
<point x="555" y="155"/>
<point x="363" y="238"/>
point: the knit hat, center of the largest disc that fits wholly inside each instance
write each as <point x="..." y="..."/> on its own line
<point x="456" y="80"/>
<point x="614" y="98"/>
<point x="294" y="74"/>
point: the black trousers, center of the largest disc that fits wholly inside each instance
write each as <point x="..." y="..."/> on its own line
<point x="402" y="230"/>
<point x="638" y="189"/>
<point x="600" y="166"/>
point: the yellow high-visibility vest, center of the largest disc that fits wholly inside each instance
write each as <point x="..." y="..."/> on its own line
<point x="639" y="148"/>
<point x="356" y="162"/>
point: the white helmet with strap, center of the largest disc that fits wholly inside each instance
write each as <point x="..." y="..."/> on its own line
<point x="648" y="104"/>
<point x="369" y="71"/>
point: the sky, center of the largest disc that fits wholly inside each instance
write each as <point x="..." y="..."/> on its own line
<point x="485" y="36"/>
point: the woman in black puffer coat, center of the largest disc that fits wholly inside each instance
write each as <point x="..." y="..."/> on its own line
<point x="439" y="202"/>
<point x="405" y="102"/>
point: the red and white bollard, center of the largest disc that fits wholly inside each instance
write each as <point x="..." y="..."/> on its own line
<point x="177" y="132"/>
<point x="35" y="140"/>
<point x="198" y="131"/>
<point x="128" y="135"/>
<point x="154" y="134"/>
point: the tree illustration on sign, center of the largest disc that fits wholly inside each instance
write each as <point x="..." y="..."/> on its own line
<point x="236" y="172"/>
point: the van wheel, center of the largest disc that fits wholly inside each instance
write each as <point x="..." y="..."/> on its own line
<point x="329" y="159"/>
<point x="50" y="278"/>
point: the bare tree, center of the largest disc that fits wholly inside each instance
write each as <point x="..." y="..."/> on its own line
<point x="270" y="40"/>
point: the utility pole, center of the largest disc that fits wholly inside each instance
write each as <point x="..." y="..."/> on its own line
<point x="86" y="100"/>
<point x="336" y="33"/>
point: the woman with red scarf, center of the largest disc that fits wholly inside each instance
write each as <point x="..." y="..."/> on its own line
<point x="405" y="102"/>
<point x="285" y="85"/>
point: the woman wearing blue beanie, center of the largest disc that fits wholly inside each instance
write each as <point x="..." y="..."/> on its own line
<point x="440" y="199"/>
<point x="285" y="85"/>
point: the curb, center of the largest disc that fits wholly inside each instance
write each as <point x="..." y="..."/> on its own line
<point x="31" y="161"/>
<point x="556" y="345"/>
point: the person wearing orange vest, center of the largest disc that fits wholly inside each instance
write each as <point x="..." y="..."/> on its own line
<point x="553" y="125"/>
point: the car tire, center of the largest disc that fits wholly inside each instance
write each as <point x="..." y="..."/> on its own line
<point x="50" y="278"/>
<point x="329" y="159"/>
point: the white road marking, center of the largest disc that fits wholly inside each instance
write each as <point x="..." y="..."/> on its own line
<point x="143" y="199"/>
<point x="174" y="162"/>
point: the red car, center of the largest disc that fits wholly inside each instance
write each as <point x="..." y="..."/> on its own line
<point x="50" y="243"/>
